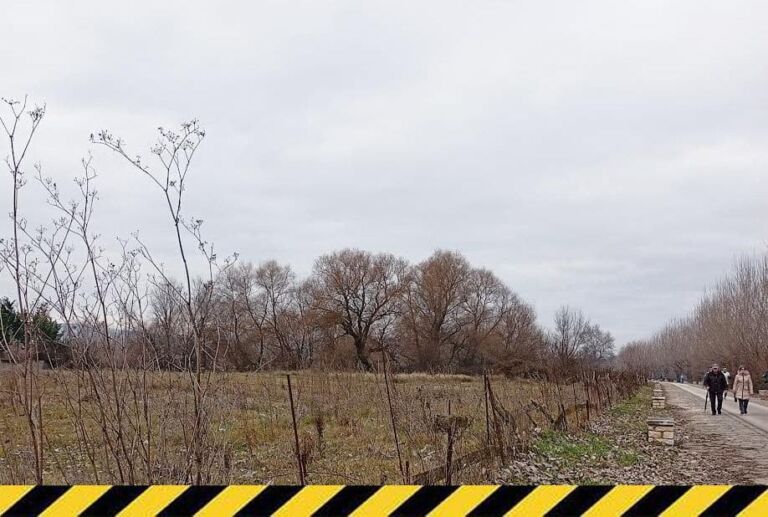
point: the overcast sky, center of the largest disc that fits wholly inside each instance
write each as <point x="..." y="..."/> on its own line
<point x="607" y="155"/>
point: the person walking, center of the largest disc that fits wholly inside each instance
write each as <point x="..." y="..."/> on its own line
<point x="742" y="388"/>
<point x="717" y="385"/>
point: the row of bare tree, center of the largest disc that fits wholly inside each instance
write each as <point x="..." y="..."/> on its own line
<point x="439" y="315"/>
<point x="729" y="326"/>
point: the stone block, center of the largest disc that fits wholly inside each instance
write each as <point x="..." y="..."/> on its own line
<point x="661" y="430"/>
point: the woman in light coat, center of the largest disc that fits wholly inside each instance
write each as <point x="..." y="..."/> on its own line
<point x="742" y="388"/>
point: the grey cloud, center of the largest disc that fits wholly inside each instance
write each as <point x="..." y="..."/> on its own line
<point x="602" y="154"/>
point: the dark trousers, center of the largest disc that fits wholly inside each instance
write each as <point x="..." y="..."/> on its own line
<point x="743" y="403"/>
<point x="716" y="395"/>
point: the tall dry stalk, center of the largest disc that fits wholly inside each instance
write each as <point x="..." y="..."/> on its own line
<point x="174" y="153"/>
<point x="19" y="138"/>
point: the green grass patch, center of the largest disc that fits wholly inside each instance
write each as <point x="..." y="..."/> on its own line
<point x="572" y="448"/>
<point x="636" y="404"/>
<point x="628" y="458"/>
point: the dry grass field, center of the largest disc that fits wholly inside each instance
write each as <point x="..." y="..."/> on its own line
<point x="344" y="426"/>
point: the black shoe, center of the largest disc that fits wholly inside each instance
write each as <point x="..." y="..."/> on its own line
<point x="719" y="412"/>
<point x="713" y="413"/>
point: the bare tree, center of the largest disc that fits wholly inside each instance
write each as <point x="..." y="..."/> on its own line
<point x="520" y="348"/>
<point x="359" y="292"/>
<point x="173" y="155"/>
<point x="277" y="283"/>
<point x="247" y="306"/>
<point x="20" y="126"/>
<point x="433" y="315"/>
<point x="568" y="337"/>
<point x="487" y="302"/>
<point x="598" y="349"/>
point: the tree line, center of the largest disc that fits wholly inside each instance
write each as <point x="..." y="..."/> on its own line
<point x="728" y="326"/>
<point x="356" y="309"/>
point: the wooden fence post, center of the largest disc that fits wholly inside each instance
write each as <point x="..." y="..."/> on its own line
<point x="302" y="479"/>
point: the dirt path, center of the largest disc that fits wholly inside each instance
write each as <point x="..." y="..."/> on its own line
<point x="743" y="440"/>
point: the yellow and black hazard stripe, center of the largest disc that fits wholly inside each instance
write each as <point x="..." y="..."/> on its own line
<point x="396" y="500"/>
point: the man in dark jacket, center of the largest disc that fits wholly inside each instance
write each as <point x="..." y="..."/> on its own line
<point x="717" y="384"/>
